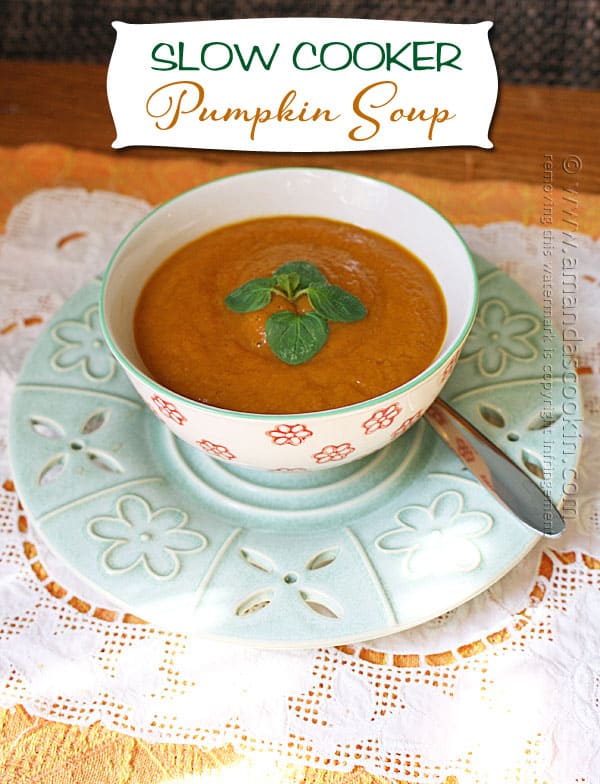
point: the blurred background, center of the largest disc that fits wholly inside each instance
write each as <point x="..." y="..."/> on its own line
<point x="536" y="42"/>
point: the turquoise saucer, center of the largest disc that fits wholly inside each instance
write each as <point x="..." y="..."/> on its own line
<point x="281" y="559"/>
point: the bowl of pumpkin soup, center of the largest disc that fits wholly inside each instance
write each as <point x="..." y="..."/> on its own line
<point x="292" y="318"/>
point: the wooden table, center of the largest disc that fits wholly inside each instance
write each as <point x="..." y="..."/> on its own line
<point x="66" y="103"/>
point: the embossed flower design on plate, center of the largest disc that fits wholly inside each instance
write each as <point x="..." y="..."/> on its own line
<point x="139" y="535"/>
<point x="498" y="335"/>
<point x="82" y="347"/>
<point x="437" y="538"/>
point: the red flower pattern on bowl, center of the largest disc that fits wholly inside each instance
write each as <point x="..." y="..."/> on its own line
<point x="382" y="418"/>
<point x="407" y="423"/>
<point x="449" y="368"/>
<point x="294" y="435"/>
<point x="323" y="438"/>
<point x="167" y="409"/>
<point x="333" y="453"/>
<point x="215" y="450"/>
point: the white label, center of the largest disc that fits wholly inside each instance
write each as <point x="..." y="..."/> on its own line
<point x="302" y="85"/>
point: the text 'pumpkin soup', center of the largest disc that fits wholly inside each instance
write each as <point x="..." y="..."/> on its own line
<point x="192" y="343"/>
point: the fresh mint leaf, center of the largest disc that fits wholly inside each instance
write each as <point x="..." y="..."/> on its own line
<point x="288" y="283"/>
<point x="250" y="296"/>
<point x="335" y="304"/>
<point x="308" y="274"/>
<point x="296" y="337"/>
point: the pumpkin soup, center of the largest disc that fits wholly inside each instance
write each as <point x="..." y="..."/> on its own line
<point x="193" y="343"/>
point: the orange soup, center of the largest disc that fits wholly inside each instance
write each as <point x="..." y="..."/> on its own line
<point x="193" y="344"/>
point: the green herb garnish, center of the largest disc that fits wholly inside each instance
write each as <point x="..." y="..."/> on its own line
<point x="296" y="337"/>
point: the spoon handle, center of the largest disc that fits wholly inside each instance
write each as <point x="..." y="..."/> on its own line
<point x="497" y="473"/>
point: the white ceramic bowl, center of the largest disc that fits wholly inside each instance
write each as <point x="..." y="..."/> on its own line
<point x="306" y="441"/>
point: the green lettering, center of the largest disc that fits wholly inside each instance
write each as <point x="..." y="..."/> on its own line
<point x="204" y="53"/>
<point x="337" y="67"/>
<point x="183" y="67"/>
<point x="417" y="59"/>
<point x="392" y="59"/>
<point x="170" y="64"/>
<point x="380" y="52"/>
<point x="255" y="52"/>
<point x="449" y="63"/>
<point x="313" y="51"/>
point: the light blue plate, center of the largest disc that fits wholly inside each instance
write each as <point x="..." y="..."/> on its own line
<point x="349" y="553"/>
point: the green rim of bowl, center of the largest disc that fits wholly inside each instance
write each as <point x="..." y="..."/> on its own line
<point x="423" y="376"/>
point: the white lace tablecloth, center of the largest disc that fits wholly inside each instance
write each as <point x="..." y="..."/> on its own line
<point x="504" y="689"/>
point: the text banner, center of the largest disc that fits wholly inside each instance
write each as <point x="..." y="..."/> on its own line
<point x="302" y="85"/>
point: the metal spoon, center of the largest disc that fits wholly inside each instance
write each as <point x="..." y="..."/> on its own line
<point x="496" y="472"/>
